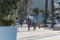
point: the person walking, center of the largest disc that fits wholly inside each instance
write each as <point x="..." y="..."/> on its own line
<point x="28" y="23"/>
<point x="21" y="23"/>
<point x="17" y="23"/>
<point x="38" y="23"/>
<point x="34" y="23"/>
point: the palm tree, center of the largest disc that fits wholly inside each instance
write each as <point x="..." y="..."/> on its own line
<point x="52" y="9"/>
<point x="46" y="12"/>
<point x="22" y="6"/>
<point x="36" y="11"/>
<point x="25" y="5"/>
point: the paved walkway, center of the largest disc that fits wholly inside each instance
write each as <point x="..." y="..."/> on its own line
<point x="39" y="34"/>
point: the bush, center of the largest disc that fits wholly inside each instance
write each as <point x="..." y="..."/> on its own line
<point x="4" y="22"/>
<point x="9" y="22"/>
<point x="58" y="17"/>
<point x="6" y="9"/>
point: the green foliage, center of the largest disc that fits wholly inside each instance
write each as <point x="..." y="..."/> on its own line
<point x="58" y="17"/>
<point x="6" y="9"/>
<point x="9" y="22"/>
<point x="42" y="11"/>
<point x="6" y="6"/>
<point x="4" y="22"/>
<point x="36" y="10"/>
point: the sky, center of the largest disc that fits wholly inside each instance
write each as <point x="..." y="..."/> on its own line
<point x="41" y="3"/>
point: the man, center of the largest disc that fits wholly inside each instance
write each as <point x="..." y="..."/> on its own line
<point x="21" y="23"/>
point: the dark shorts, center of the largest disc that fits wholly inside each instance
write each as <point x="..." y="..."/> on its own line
<point x="34" y="24"/>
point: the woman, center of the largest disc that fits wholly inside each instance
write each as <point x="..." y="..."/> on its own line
<point x="29" y="23"/>
<point x="34" y="23"/>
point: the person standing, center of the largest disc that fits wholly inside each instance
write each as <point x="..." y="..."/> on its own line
<point x="28" y="23"/>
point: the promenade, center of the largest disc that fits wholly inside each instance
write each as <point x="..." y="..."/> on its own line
<point x="44" y="33"/>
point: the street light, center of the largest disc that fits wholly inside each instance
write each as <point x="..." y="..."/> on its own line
<point x="46" y="12"/>
<point x="52" y="9"/>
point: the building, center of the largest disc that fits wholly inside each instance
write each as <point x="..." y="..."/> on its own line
<point x="57" y="7"/>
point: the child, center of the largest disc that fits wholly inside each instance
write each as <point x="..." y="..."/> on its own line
<point x="38" y="23"/>
<point x="17" y="23"/>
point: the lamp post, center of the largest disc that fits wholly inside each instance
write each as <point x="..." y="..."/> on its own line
<point x="52" y="11"/>
<point x="46" y="12"/>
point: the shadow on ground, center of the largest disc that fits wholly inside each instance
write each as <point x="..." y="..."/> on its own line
<point x="56" y="28"/>
<point x="38" y="37"/>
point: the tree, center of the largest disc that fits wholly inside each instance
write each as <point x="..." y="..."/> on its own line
<point x="6" y="9"/>
<point x="42" y="11"/>
<point x="36" y="10"/>
<point x="22" y="7"/>
<point x="46" y="12"/>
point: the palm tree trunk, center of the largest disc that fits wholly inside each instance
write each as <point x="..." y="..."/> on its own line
<point x="52" y="9"/>
<point x="46" y="12"/>
<point x="25" y="9"/>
